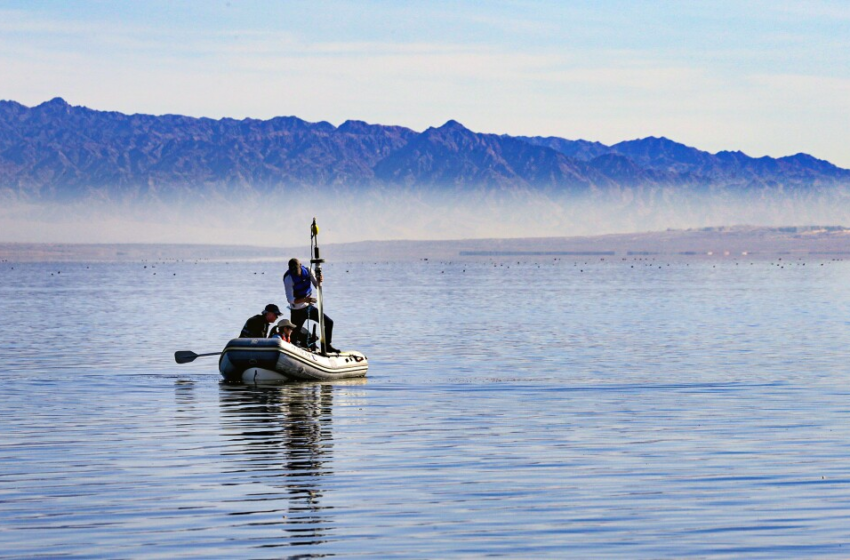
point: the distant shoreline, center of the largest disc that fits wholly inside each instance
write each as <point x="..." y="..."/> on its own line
<point x="715" y="242"/>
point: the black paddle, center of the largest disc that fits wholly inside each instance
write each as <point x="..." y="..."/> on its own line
<point x="186" y="356"/>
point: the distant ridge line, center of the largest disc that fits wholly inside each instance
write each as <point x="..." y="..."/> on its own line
<point x="59" y="152"/>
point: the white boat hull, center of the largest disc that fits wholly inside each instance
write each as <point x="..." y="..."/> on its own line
<point x="269" y="360"/>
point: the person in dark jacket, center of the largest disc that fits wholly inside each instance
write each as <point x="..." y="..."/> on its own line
<point x="298" y="283"/>
<point x="258" y="325"/>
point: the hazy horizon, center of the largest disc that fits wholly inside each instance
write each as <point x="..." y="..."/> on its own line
<point x="270" y="221"/>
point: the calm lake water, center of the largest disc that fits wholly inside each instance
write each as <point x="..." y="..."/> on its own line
<point x="542" y="408"/>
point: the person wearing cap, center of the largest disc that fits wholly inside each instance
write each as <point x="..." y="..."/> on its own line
<point x="258" y="325"/>
<point x="298" y="281"/>
<point x="283" y="330"/>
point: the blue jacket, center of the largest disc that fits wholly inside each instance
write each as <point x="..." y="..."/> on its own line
<point x="301" y="285"/>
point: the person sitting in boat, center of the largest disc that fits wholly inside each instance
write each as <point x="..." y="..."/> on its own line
<point x="258" y="325"/>
<point x="283" y="330"/>
<point x="298" y="282"/>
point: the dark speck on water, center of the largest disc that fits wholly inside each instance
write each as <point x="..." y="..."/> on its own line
<point x="688" y="412"/>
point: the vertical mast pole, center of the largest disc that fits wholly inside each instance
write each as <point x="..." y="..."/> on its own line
<point x="316" y="262"/>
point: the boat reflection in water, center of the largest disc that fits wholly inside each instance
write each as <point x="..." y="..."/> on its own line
<point x="285" y="445"/>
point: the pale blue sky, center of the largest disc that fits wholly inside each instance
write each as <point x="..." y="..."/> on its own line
<point x="765" y="77"/>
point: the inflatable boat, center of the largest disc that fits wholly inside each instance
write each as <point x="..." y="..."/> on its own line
<point x="271" y="360"/>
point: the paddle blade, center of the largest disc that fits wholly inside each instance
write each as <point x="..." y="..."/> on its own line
<point x="184" y="356"/>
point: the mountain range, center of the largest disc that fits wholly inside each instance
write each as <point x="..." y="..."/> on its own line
<point x="56" y="151"/>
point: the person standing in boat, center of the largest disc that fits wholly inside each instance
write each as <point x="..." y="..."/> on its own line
<point x="258" y="325"/>
<point x="298" y="282"/>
